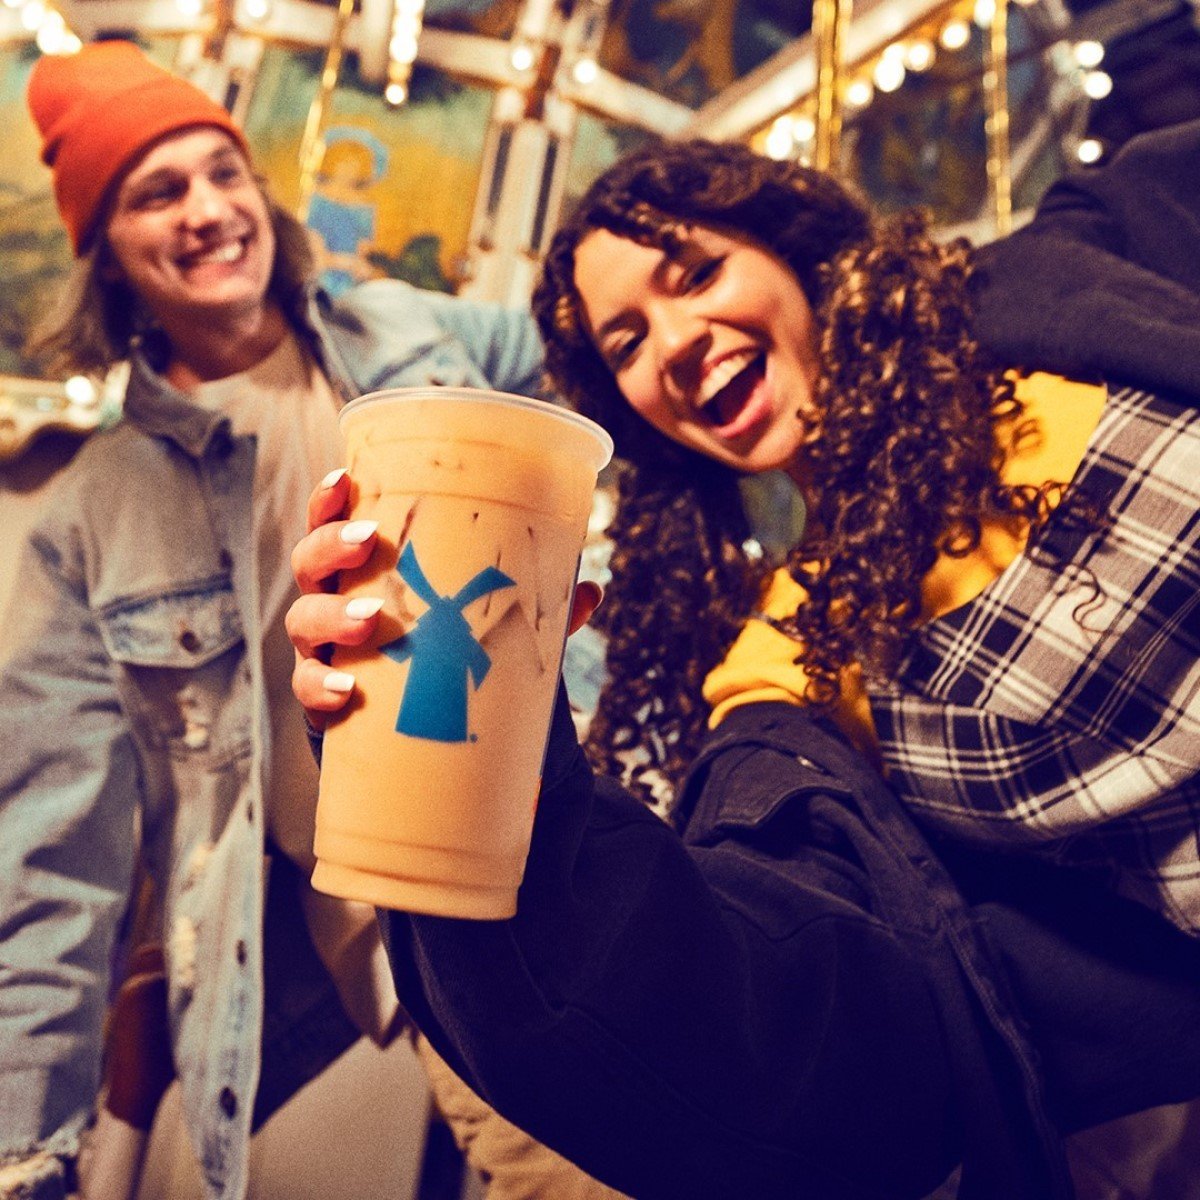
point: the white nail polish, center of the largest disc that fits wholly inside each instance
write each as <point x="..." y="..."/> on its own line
<point x="362" y="607"/>
<point x="339" y="681"/>
<point x="357" y="532"/>
<point x="333" y="477"/>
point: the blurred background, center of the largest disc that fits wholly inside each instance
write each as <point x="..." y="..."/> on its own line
<point x="439" y="141"/>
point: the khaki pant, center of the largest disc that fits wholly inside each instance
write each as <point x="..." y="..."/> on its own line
<point x="512" y="1164"/>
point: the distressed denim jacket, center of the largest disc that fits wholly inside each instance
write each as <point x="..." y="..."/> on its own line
<point x="134" y="714"/>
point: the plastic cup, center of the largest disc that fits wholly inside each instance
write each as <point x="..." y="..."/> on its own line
<point x="430" y="777"/>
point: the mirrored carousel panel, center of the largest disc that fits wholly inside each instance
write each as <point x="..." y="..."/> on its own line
<point x="692" y="50"/>
<point x="394" y="187"/>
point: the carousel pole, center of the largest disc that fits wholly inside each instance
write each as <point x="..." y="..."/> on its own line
<point x="995" y="91"/>
<point x="312" y="145"/>
<point x="829" y="35"/>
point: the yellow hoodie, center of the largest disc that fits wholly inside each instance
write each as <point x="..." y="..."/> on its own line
<point x="1060" y="417"/>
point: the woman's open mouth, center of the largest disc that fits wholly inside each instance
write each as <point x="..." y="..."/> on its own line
<point x="732" y="408"/>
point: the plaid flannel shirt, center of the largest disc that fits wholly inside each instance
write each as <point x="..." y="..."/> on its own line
<point x="1060" y="709"/>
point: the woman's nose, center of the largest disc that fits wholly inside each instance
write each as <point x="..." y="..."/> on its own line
<point x="682" y="337"/>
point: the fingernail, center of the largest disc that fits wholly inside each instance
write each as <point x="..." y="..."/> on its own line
<point x="357" y="532"/>
<point x="333" y="477"/>
<point x="339" y="681"/>
<point x="362" y="607"/>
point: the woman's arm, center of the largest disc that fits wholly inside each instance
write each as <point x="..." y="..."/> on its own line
<point x="678" y="1022"/>
<point x="686" y="1023"/>
<point x="1106" y="277"/>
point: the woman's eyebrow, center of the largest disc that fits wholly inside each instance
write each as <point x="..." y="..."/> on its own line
<point x="621" y="318"/>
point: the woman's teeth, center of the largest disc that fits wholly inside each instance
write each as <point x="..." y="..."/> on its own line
<point x="722" y="374"/>
<point x="729" y="387"/>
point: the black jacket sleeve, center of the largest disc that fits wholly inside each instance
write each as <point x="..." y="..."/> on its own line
<point x="1105" y="280"/>
<point x="689" y="1021"/>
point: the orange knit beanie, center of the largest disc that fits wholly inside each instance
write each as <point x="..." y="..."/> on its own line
<point x="97" y="111"/>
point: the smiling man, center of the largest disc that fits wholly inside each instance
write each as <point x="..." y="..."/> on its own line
<point x="147" y="717"/>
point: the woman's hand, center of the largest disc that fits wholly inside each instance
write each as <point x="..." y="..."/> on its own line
<point x="321" y="619"/>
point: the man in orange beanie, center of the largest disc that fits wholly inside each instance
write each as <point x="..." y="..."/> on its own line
<point x="148" y="715"/>
<point x="99" y="110"/>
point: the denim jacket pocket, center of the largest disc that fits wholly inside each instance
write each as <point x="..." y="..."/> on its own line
<point x="182" y="661"/>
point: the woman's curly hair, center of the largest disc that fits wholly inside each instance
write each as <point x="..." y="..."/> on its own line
<point x="906" y="457"/>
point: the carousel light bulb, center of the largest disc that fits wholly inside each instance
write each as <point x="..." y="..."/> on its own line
<point x="1090" y="150"/>
<point x="257" y="10"/>
<point x="955" y="35"/>
<point x="395" y="94"/>
<point x="804" y="128"/>
<point x="780" y="141"/>
<point x="1088" y="54"/>
<point x="984" y="13"/>
<point x="81" y="390"/>
<point x="12" y="3"/>
<point x="521" y="58"/>
<point x="190" y="8"/>
<point x="919" y="55"/>
<point x="859" y="93"/>
<point x="406" y="24"/>
<point x="51" y="36"/>
<point x="1097" y="84"/>
<point x="585" y="71"/>
<point x="403" y="48"/>
<point x="889" y="73"/>
<point x="33" y="14"/>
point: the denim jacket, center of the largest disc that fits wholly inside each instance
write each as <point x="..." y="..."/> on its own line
<point x="134" y="715"/>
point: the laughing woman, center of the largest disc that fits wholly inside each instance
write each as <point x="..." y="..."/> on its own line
<point x="997" y="591"/>
<point x="995" y="599"/>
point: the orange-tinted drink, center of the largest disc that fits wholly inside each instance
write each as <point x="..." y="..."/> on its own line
<point x="430" y="778"/>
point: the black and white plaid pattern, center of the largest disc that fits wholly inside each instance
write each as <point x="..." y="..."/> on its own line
<point x="1060" y="709"/>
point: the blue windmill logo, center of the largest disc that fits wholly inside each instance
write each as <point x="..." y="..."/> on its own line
<point x="445" y="655"/>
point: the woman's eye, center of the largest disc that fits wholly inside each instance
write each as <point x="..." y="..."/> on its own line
<point x="702" y="273"/>
<point x="620" y="354"/>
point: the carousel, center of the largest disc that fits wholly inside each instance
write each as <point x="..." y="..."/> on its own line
<point x="438" y="141"/>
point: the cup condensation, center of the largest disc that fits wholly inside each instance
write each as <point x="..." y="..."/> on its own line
<point x="430" y="777"/>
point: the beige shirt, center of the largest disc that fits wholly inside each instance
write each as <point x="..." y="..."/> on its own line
<point x="287" y="404"/>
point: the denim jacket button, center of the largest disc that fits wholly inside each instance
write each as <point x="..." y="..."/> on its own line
<point x="228" y="1102"/>
<point x="189" y="641"/>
